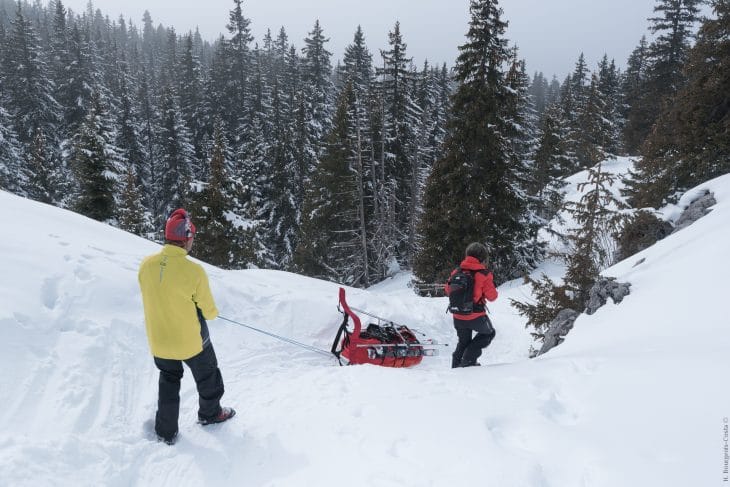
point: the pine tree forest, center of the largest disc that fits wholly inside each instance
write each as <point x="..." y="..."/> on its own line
<point x="349" y="170"/>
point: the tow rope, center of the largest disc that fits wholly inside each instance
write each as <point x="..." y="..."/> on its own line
<point x="279" y="337"/>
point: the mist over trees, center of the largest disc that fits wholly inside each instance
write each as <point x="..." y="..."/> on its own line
<point x="349" y="169"/>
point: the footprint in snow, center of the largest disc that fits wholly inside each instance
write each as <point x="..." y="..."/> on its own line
<point x="558" y="411"/>
<point x="49" y="292"/>
<point x="82" y="274"/>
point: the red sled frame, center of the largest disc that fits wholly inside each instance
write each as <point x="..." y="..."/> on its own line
<point x="401" y="349"/>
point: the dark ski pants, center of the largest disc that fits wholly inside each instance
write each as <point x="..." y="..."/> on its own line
<point x="469" y="348"/>
<point x="208" y="380"/>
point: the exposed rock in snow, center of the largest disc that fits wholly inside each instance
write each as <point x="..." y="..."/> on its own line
<point x="604" y="288"/>
<point x="696" y="210"/>
<point x="557" y="329"/>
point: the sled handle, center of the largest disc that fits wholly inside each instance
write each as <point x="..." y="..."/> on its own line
<point x="348" y="311"/>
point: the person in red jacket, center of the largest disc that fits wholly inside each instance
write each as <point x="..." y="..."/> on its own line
<point x="469" y="347"/>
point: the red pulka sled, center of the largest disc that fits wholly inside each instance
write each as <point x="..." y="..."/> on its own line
<point x="390" y="345"/>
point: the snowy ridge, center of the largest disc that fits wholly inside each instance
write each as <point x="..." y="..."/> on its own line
<point x="636" y="395"/>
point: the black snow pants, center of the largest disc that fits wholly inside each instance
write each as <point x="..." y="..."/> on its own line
<point x="208" y="380"/>
<point x="469" y="348"/>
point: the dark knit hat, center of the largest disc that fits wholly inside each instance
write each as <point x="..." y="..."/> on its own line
<point x="179" y="228"/>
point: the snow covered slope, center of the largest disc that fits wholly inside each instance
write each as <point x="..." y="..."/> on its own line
<point x="636" y="396"/>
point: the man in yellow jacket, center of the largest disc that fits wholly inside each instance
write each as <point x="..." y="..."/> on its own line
<point x="177" y="301"/>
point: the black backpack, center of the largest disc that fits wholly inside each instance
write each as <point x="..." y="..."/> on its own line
<point x="461" y="293"/>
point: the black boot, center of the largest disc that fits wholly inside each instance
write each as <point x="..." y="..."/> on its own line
<point x="169" y="441"/>
<point x="455" y="362"/>
<point x="224" y="415"/>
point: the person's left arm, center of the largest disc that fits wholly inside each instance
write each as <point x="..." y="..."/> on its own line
<point x="203" y="298"/>
<point x="489" y="291"/>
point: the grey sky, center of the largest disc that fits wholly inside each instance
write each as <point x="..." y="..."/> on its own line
<point x="550" y="33"/>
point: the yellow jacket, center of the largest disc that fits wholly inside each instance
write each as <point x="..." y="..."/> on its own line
<point x="173" y="290"/>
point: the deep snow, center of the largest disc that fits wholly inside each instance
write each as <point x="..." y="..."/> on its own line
<point x="636" y="396"/>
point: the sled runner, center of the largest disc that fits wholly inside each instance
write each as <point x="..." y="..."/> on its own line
<point x="387" y="344"/>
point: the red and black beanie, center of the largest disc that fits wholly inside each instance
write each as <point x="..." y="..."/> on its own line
<point x="179" y="228"/>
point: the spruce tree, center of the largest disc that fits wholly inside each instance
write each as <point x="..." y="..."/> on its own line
<point x="596" y="217"/>
<point x="609" y="89"/>
<point x="175" y="156"/>
<point x="313" y="106"/>
<point x="252" y="151"/>
<point x="44" y="183"/>
<point x="218" y="239"/>
<point x="573" y="100"/>
<point x="539" y="91"/>
<point x="280" y="212"/>
<point x="26" y="83"/>
<point x="131" y="215"/>
<point x="92" y="163"/>
<point x="129" y="139"/>
<point x="521" y="113"/>
<point x="358" y="64"/>
<point x="316" y="77"/>
<point x="673" y="26"/>
<point x="400" y="119"/>
<point x="591" y="250"/>
<point x="553" y="92"/>
<point x="689" y="143"/>
<point x="74" y="84"/>
<point x="550" y="165"/>
<point x="472" y="193"/>
<point x="357" y="74"/>
<point x="12" y="173"/>
<point x="191" y="105"/>
<point x="60" y="57"/>
<point x="330" y="243"/>
<point x="152" y="170"/>
<point x="597" y="140"/>
<point x="632" y="109"/>
<point x="238" y="54"/>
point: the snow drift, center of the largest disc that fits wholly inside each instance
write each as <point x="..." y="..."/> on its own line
<point x="636" y="396"/>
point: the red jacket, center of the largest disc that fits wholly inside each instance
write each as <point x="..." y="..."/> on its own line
<point x="484" y="289"/>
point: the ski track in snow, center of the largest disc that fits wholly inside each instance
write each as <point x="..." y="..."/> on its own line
<point x="633" y="398"/>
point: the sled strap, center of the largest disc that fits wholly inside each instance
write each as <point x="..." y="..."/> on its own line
<point x="345" y="342"/>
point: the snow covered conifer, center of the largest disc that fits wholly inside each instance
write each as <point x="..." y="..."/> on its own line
<point x="11" y="165"/>
<point x="93" y="165"/>
<point x="238" y="56"/>
<point x="593" y="248"/>
<point x="550" y="164"/>
<point x="358" y="64"/>
<point x="217" y="237"/>
<point x="27" y="86"/>
<point x="609" y="89"/>
<point x="131" y="215"/>
<point x="401" y="117"/>
<point x="330" y="245"/>
<point x="74" y="88"/>
<point x="632" y="90"/>
<point x="190" y="90"/>
<point x="597" y="139"/>
<point x="318" y="86"/>
<point x="175" y="155"/>
<point x="44" y="182"/>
